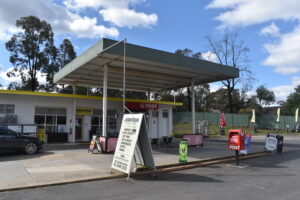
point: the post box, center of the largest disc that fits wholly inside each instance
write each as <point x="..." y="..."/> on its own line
<point x="236" y="139"/>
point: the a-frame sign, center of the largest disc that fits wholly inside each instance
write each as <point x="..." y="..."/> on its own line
<point x="133" y="142"/>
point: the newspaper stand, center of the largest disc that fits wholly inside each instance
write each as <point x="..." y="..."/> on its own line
<point x="236" y="142"/>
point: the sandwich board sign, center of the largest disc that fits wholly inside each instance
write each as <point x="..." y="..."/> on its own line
<point x="133" y="142"/>
<point x="271" y="142"/>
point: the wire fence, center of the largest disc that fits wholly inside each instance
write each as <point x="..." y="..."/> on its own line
<point x="243" y="120"/>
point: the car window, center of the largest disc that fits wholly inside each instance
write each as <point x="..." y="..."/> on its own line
<point x="2" y="131"/>
<point x="6" y="133"/>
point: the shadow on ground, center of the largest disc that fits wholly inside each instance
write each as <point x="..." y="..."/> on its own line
<point x="177" y="177"/>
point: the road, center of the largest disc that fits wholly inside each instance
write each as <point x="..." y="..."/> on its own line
<point x="274" y="177"/>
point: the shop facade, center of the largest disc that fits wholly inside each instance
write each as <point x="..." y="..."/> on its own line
<point x="53" y="112"/>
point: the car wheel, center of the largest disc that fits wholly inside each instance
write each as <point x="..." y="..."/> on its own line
<point x="31" y="148"/>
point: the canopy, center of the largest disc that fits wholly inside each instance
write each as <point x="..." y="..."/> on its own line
<point x="146" y="69"/>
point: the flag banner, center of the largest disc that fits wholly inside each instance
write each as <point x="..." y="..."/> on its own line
<point x="278" y="115"/>
<point x="296" y="115"/>
<point x="253" y="116"/>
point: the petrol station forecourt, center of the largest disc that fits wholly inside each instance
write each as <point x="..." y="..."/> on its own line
<point x="121" y="65"/>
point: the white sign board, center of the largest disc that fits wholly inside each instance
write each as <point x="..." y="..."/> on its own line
<point x="133" y="142"/>
<point x="271" y="142"/>
<point x="127" y="141"/>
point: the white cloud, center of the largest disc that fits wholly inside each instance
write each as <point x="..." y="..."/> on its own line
<point x="245" y="12"/>
<point x="284" y="55"/>
<point x="6" y="80"/>
<point x="209" y="56"/>
<point x="87" y="27"/>
<point x="283" y="91"/>
<point x="271" y="30"/>
<point x="116" y="12"/>
<point x="214" y="87"/>
<point x="1" y="68"/>
<point x="128" y="18"/>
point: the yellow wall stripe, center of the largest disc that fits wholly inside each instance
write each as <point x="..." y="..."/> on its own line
<point x="46" y="94"/>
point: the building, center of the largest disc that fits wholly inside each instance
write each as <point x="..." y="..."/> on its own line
<point x="54" y="113"/>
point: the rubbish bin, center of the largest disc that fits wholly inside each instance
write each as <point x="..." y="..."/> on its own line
<point x="274" y="142"/>
<point x="183" y="148"/>
<point x="279" y="143"/>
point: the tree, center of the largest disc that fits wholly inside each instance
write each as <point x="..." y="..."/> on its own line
<point x="189" y="53"/>
<point x="218" y="100"/>
<point x="232" y="52"/>
<point x="29" y="49"/>
<point x="292" y="102"/>
<point x="265" y="96"/>
<point x="58" y="58"/>
<point x="66" y="53"/>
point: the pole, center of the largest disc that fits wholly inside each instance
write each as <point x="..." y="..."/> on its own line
<point x="124" y="76"/>
<point x="237" y="158"/>
<point x="104" y="112"/>
<point x="74" y="116"/>
<point x="193" y="108"/>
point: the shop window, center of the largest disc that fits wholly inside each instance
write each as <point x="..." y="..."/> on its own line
<point x="165" y="114"/>
<point x="97" y="112"/>
<point x="50" y="111"/>
<point x="40" y="111"/>
<point x="96" y="121"/>
<point x="50" y="119"/>
<point x="7" y="109"/>
<point x="61" y="119"/>
<point x="154" y="114"/>
<point x="39" y="119"/>
<point x="61" y="111"/>
<point x="53" y="119"/>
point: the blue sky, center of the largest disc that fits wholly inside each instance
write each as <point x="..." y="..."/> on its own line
<point x="270" y="28"/>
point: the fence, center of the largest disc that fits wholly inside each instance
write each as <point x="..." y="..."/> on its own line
<point x="262" y="121"/>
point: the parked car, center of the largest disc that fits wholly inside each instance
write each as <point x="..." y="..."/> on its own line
<point x="11" y="141"/>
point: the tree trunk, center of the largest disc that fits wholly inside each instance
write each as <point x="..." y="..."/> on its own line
<point x="229" y="93"/>
<point x="189" y="100"/>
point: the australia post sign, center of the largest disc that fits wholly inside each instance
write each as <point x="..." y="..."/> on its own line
<point x="140" y="106"/>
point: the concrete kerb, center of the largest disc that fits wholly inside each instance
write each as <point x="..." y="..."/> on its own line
<point x="160" y="169"/>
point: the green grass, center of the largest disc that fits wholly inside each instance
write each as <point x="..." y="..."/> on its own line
<point x="181" y="128"/>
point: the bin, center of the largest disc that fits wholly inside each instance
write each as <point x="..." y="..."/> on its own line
<point x="279" y="143"/>
<point x="274" y="142"/>
<point x="183" y="148"/>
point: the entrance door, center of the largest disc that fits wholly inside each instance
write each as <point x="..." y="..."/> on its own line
<point x="78" y="129"/>
<point x="154" y="125"/>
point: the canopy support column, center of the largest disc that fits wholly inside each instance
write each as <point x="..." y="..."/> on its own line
<point x="104" y="106"/>
<point x="73" y="132"/>
<point x="149" y="95"/>
<point x="193" y="108"/>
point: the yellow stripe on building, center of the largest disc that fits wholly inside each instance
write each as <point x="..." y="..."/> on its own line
<point x="46" y="94"/>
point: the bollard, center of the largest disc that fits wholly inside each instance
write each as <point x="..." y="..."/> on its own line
<point x="183" y="148"/>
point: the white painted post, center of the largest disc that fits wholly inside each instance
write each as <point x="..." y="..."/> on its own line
<point x="149" y="95"/>
<point x="104" y="107"/>
<point x="74" y="116"/>
<point x="193" y="109"/>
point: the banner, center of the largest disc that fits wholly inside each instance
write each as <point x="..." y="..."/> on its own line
<point x="278" y="115"/>
<point x="253" y="116"/>
<point x="296" y="115"/>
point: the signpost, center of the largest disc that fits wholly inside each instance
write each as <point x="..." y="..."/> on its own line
<point x="133" y="142"/>
<point x="271" y="142"/>
<point x="95" y="141"/>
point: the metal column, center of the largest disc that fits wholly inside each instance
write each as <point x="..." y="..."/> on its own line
<point x="104" y="107"/>
<point x="74" y="116"/>
<point x="193" y="109"/>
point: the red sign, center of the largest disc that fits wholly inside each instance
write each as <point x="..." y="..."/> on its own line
<point x="141" y="106"/>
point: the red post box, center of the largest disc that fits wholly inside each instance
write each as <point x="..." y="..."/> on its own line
<point x="236" y="139"/>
